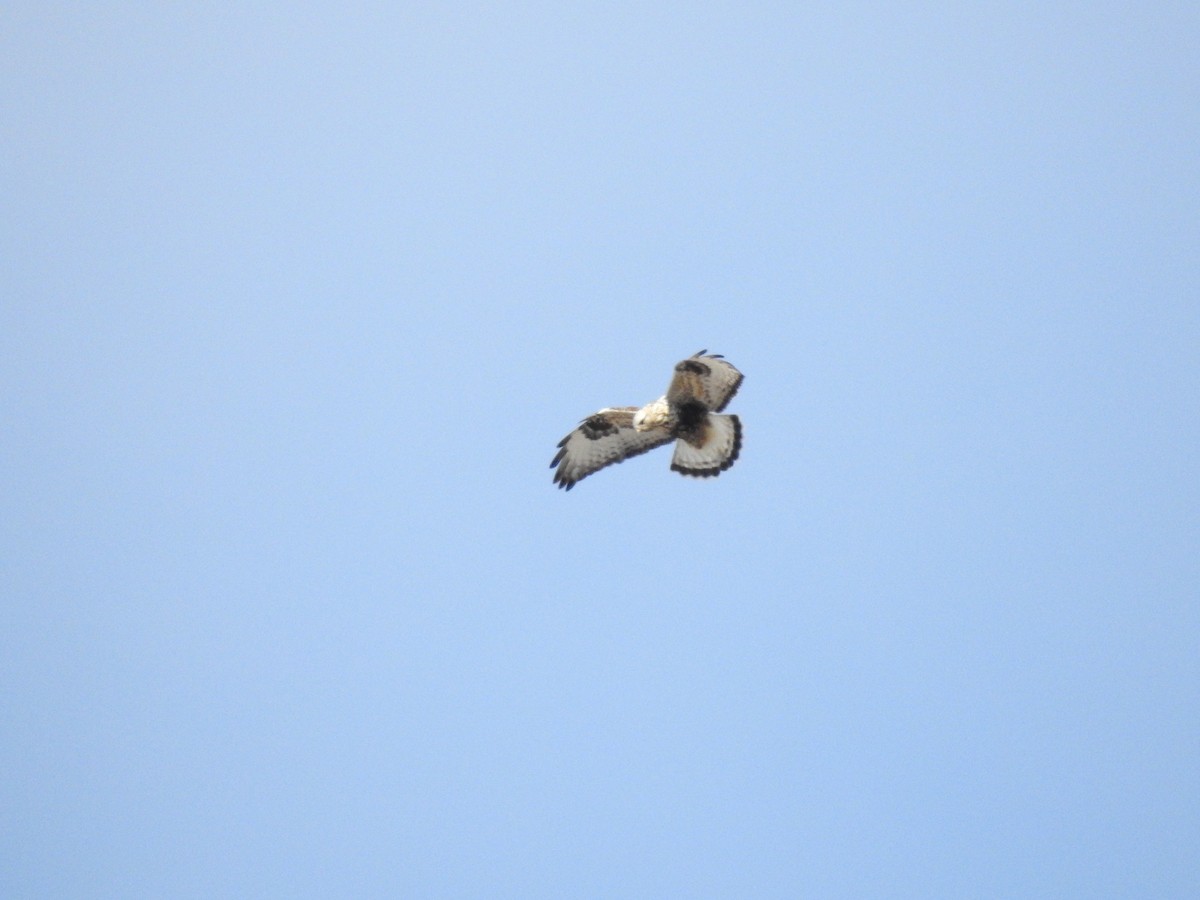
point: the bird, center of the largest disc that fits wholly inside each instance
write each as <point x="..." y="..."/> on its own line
<point x="706" y="444"/>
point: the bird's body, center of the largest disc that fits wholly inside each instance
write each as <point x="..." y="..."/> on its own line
<point x="706" y="443"/>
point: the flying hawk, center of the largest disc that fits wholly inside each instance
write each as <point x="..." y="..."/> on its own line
<point x="705" y="443"/>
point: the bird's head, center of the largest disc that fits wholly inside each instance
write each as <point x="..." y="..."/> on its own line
<point x="652" y="415"/>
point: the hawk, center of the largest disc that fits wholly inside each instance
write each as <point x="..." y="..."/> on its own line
<point x="706" y="444"/>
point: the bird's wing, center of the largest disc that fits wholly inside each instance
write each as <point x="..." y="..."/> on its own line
<point x="600" y="440"/>
<point x="709" y="380"/>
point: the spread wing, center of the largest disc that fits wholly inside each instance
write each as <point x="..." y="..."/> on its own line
<point x="600" y="440"/>
<point x="708" y="380"/>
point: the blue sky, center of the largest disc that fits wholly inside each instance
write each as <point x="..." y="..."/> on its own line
<point x="298" y="300"/>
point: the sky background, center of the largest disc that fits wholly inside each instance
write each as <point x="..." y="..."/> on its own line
<point x="297" y="299"/>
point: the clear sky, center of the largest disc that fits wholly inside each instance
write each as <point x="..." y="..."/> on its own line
<point x="297" y="299"/>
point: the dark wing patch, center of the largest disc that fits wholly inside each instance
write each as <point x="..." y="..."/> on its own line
<point x="691" y="365"/>
<point x="602" y="439"/>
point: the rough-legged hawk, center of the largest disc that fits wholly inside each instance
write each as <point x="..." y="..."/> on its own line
<point x="705" y="443"/>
